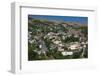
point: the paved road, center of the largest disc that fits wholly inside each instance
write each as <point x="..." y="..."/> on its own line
<point x="44" y="48"/>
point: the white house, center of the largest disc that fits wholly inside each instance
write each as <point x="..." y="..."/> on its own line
<point x="60" y="49"/>
<point x="65" y="53"/>
<point x="57" y="42"/>
<point x="74" y="46"/>
<point x="40" y="46"/>
<point x="31" y="41"/>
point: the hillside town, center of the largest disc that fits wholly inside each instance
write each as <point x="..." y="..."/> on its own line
<point x="48" y="40"/>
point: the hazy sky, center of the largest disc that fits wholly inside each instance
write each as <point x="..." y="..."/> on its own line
<point x="83" y="20"/>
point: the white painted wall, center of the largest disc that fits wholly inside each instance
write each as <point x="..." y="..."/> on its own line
<point x="5" y="42"/>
